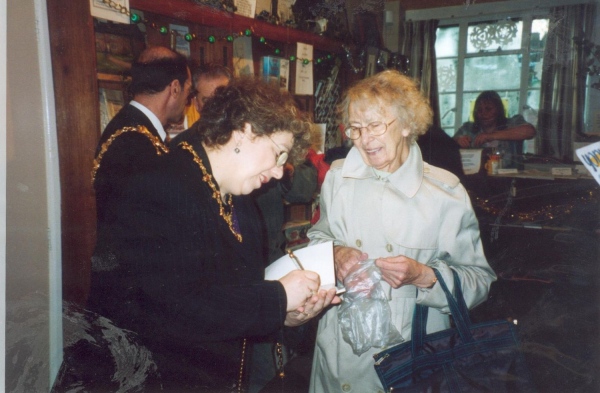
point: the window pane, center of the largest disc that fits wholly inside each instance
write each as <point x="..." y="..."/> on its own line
<point x="535" y="69"/>
<point x="446" y="74"/>
<point x="446" y="42"/>
<point x="449" y="131"/>
<point x="539" y="32"/>
<point x="447" y="109"/>
<point x="493" y="73"/>
<point x="492" y="36"/>
<point x="530" y="110"/>
<point x="510" y="99"/>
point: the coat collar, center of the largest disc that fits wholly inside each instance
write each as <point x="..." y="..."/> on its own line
<point x="244" y="249"/>
<point x="152" y="117"/>
<point x="407" y="178"/>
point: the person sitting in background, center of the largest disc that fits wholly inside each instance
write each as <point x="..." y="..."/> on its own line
<point x="493" y="129"/>
<point x="439" y="149"/>
<point x="188" y="275"/>
<point x="384" y="203"/>
<point x="206" y="79"/>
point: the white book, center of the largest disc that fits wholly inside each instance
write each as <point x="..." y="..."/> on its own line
<point x="317" y="258"/>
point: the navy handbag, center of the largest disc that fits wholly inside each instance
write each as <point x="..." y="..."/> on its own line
<point x="482" y="357"/>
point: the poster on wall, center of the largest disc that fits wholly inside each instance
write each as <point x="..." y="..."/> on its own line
<point x="178" y="41"/>
<point x="245" y="8"/>
<point x="263" y="5"/>
<point x="304" y="72"/>
<point x="242" y="56"/>
<point x="284" y="10"/>
<point x="590" y="157"/>
<point x="100" y="10"/>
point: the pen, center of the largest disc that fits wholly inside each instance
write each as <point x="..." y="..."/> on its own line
<point x="295" y="259"/>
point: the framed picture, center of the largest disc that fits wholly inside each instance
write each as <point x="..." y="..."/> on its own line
<point x="117" y="46"/>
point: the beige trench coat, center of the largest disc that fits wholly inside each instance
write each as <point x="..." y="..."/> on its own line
<point x="419" y="211"/>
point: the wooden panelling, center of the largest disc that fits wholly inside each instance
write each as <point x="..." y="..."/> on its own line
<point x="78" y="127"/>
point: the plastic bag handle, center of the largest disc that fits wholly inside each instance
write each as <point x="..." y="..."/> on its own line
<point x="458" y="309"/>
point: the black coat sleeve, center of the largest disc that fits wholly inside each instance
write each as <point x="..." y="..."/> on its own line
<point x="184" y="276"/>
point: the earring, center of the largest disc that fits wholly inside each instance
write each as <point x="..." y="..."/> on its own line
<point x="236" y="150"/>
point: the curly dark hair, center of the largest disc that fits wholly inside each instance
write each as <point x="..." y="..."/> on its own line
<point x="262" y="105"/>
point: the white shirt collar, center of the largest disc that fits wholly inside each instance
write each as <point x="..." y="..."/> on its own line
<point x="407" y="178"/>
<point x="152" y="117"/>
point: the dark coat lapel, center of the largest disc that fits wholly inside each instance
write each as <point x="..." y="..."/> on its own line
<point x="249" y="250"/>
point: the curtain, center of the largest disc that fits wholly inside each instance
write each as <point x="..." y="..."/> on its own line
<point x="562" y="95"/>
<point x="417" y="42"/>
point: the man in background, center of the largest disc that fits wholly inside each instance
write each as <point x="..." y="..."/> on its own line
<point x="206" y="80"/>
<point x="133" y="142"/>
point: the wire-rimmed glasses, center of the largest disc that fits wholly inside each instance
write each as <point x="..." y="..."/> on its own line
<point x="374" y="129"/>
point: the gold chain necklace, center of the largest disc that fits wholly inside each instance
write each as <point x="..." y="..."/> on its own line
<point x="156" y="142"/>
<point x="227" y="216"/>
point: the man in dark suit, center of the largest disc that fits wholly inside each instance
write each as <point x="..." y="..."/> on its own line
<point x="134" y="141"/>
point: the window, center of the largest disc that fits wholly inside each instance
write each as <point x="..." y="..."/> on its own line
<point x="504" y="55"/>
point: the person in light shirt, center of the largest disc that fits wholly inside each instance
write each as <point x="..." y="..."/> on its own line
<point x="493" y="129"/>
<point x="383" y="202"/>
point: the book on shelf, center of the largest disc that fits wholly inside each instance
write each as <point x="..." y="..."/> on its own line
<point x="275" y="70"/>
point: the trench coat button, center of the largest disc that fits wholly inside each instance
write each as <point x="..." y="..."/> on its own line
<point x="389" y="248"/>
<point x="358" y="243"/>
<point x="346" y="387"/>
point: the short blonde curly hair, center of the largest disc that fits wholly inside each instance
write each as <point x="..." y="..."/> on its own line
<point x="392" y="91"/>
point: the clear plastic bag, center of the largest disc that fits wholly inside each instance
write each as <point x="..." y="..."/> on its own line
<point x="365" y="316"/>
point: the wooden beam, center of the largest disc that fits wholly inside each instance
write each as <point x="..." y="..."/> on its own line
<point x="72" y="46"/>
<point x="212" y="17"/>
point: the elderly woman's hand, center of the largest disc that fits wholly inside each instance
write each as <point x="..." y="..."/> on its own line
<point x="312" y="308"/>
<point x="401" y="270"/>
<point x="345" y="258"/>
<point x="464" y="141"/>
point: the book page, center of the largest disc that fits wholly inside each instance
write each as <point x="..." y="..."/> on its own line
<point x="317" y="258"/>
<point x="304" y="72"/>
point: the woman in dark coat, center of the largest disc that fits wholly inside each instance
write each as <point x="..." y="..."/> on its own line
<point x="189" y="278"/>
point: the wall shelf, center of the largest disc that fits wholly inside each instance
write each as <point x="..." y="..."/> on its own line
<point x="207" y="16"/>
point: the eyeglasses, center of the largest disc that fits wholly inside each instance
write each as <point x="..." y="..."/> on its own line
<point x="282" y="156"/>
<point x="374" y="129"/>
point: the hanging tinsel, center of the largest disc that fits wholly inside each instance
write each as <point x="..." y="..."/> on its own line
<point x="164" y="30"/>
<point x="350" y="58"/>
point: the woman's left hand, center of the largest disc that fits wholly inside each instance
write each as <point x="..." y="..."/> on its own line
<point x="312" y="308"/>
<point x="400" y="270"/>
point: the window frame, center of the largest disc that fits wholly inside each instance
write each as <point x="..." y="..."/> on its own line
<point x="527" y="17"/>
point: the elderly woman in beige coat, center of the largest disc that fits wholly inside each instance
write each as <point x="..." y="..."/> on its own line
<point x="384" y="202"/>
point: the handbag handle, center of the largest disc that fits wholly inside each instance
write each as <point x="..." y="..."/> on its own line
<point x="458" y="309"/>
